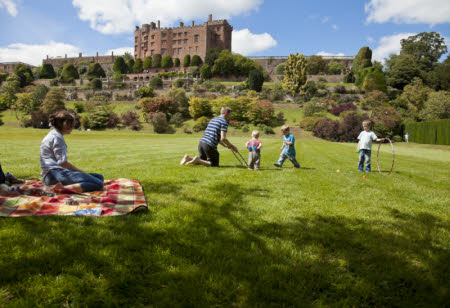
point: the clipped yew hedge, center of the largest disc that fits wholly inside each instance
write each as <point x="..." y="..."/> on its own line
<point x="432" y="132"/>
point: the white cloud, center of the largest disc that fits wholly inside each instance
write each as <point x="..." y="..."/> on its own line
<point x="411" y="11"/>
<point x="329" y="54"/>
<point x="389" y="45"/>
<point x="34" y="54"/>
<point x="370" y="39"/>
<point x="121" y="51"/>
<point x="335" y="27"/>
<point x="120" y="16"/>
<point x="246" y="43"/>
<point x="10" y="6"/>
<point x="324" y="19"/>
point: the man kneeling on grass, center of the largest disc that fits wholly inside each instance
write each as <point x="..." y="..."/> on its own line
<point x="215" y="133"/>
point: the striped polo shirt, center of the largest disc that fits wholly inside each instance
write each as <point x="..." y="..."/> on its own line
<point x="212" y="132"/>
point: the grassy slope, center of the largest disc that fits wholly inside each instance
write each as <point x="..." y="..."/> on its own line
<point x="233" y="237"/>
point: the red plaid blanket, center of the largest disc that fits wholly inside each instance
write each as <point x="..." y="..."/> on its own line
<point x="119" y="197"/>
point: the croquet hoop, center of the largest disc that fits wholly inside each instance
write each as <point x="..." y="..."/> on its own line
<point x="393" y="156"/>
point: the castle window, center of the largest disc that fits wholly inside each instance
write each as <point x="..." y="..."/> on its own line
<point x="152" y="44"/>
<point x="174" y="42"/>
<point x="179" y="34"/>
<point x="185" y="33"/>
<point x="163" y="42"/>
<point x="196" y="38"/>
<point x="185" y="41"/>
<point x="145" y="38"/>
<point x="163" y="51"/>
<point x="153" y="37"/>
<point x="135" y="38"/>
<point x="163" y="34"/>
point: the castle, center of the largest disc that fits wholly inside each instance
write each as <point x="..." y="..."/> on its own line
<point x="184" y="40"/>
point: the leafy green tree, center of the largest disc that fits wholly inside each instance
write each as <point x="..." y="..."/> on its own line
<point x="415" y="95"/>
<point x="95" y="70"/>
<point x="187" y="61"/>
<point x="54" y="101"/>
<point x="295" y="73"/>
<point x="279" y="70"/>
<point x="262" y="112"/>
<point x="127" y="56"/>
<point x="25" y="74"/>
<point x="3" y="76"/>
<point x="38" y="96"/>
<point x="400" y="70"/>
<point x="156" y="82"/>
<point x="335" y="67"/>
<point x="316" y="65"/>
<point x="224" y="64"/>
<point x="156" y="60"/>
<point x="120" y="66"/>
<point x="362" y="60"/>
<point x="138" y="66"/>
<point x="145" y="92"/>
<point x="8" y="95"/>
<point x="96" y="84"/>
<point x="211" y="55"/>
<point x="205" y="71"/>
<point x="181" y="100"/>
<point x="374" y="80"/>
<point x="130" y="65"/>
<point x="147" y="63"/>
<point x="69" y="73"/>
<point x="426" y="48"/>
<point x="199" y="107"/>
<point x="47" y="72"/>
<point x="243" y="65"/>
<point x="23" y="105"/>
<point x="437" y="106"/>
<point x="443" y="74"/>
<point x="176" y="62"/>
<point x="167" y="62"/>
<point x="255" y="80"/>
<point x="196" y="60"/>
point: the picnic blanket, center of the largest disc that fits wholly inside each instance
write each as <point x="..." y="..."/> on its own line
<point x="119" y="197"/>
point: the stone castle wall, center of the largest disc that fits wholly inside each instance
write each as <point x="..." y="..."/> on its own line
<point x="80" y="59"/>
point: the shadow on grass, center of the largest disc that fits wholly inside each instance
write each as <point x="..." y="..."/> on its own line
<point x="224" y="253"/>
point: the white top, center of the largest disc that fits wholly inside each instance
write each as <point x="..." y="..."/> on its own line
<point x="53" y="152"/>
<point x="366" y="139"/>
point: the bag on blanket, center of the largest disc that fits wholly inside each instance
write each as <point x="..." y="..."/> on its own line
<point x="2" y="176"/>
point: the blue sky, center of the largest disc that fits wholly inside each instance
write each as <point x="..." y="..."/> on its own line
<point x="32" y="29"/>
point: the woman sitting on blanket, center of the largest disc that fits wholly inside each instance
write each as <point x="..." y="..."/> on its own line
<point x="56" y="170"/>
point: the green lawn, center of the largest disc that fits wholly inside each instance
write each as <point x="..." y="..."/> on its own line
<point x="333" y="84"/>
<point x="231" y="237"/>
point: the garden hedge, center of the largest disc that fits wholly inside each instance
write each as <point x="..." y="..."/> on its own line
<point x="432" y="132"/>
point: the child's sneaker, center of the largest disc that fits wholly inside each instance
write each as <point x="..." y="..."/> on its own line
<point x="11" y="179"/>
<point x="277" y="165"/>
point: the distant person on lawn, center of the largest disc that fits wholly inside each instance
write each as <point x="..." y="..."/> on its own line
<point x="56" y="169"/>
<point x="215" y="133"/>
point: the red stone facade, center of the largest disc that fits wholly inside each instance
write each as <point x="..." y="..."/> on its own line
<point x="184" y="40"/>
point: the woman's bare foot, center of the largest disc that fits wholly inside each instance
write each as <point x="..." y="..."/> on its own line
<point x="185" y="159"/>
<point x="57" y="187"/>
<point x="193" y="161"/>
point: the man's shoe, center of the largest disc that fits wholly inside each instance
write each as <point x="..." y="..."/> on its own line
<point x="277" y="165"/>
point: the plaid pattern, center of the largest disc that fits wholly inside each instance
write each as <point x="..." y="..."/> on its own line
<point x="119" y="197"/>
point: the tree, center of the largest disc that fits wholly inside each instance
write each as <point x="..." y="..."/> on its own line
<point x="69" y="73"/>
<point x="176" y="62"/>
<point x="255" y="80"/>
<point x="279" y="70"/>
<point x="95" y="70"/>
<point x="96" y="84"/>
<point x="156" y="82"/>
<point x="211" y="55"/>
<point x="120" y="66"/>
<point x="262" y="112"/>
<point x="335" y="67"/>
<point x="187" y="61"/>
<point x="156" y="60"/>
<point x="199" y="107"/>
<point x="375" y="80"/>
<point x="159" y="104"/>
<point x="9" y="91"/>
<point x="127" y="56"/>
<point x="400" y="70"/>
<point x="38" y="96"/>
<point x="426" y="48"/>
<point x="167" y="62"/>
<point x="437" y="106"/>
<point x="415" y="94"/>
<point x="25" y="74"/>
<point x="147" y="63"/>
<point x="243" y="65"/>
<point x="47" y="72"/>
<point x="316" y="65"/>
<point x="362" y="60"/>
<point x="205" y="71"/>
<point x="181" y="100"/>
<point x="145" y="92"/>
<point x="22" y="106"/>
<point x="443" y="74"/>
<point x="54" y="101"/>
<point x="138" y="66"/>
<point x="224" y="64"/>
<point x="295" y="73"/>
<point x="196" y="60"/>
<point x="130" y="65"/>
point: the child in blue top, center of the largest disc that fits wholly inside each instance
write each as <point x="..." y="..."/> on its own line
<point x="288" y="148"/>
<point x="366" y="137"/>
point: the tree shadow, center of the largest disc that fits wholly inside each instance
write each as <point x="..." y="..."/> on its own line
<point x="221" y="252"/>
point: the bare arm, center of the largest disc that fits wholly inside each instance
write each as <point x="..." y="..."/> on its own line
<point x="225" y="142"/>
<point x="380" y="139"/>
<point x="69" y="166"/>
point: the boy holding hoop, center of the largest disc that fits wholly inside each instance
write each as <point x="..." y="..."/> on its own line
<point x="366" y="137"/>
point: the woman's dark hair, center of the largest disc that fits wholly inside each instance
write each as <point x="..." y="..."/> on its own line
<point x="58" y="119"/>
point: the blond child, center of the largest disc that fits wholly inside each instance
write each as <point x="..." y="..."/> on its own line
<point x="366" y="137"/>
<point x="254" y="155"/>
<point x="288" y="148"/>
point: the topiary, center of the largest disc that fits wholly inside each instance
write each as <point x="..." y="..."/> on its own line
<point x="166" y="62"/>
<point x="69" y="73"/>
<point x="196" y="60"/>
<point x="187" y="61"/>
<point x="255" y="80"/>
<point x="156" y="82"/>
<point x="156" y="60"/>
<point x="96" y="84"/>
